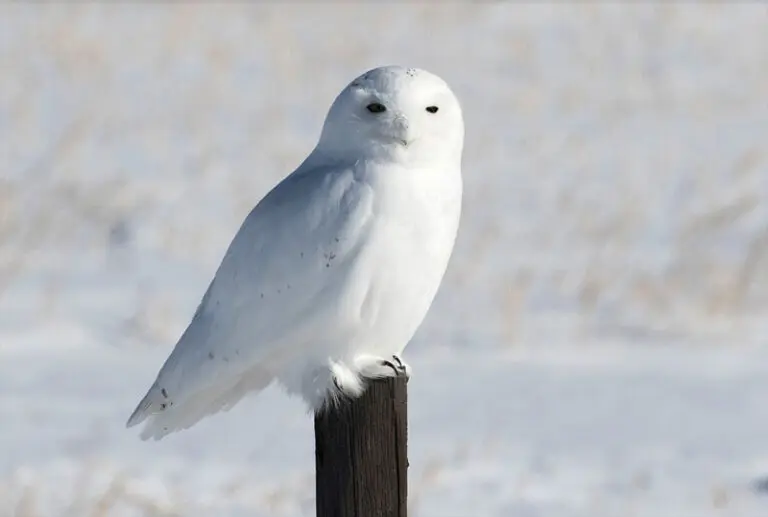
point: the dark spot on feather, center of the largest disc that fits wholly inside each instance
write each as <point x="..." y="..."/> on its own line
<point x="164" y="393"/>
<point x="210" y="355"/>
<point x="262" y="295"/>
<point x="336" y="239"/>
<point x="163" y="405"/>
<point x="302" y="254"/>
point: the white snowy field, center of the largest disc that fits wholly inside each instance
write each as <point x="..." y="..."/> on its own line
<point x="598" y="347"/>
<point x="610" y="432"/>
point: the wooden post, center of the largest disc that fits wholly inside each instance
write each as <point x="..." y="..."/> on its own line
<point x="361" y="456"/>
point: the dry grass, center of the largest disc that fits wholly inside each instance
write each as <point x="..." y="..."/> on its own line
<point x="68" y="188"/>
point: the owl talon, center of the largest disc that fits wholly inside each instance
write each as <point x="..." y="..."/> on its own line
<point x="398" y="366"/>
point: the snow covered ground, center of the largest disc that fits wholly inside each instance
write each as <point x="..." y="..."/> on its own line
<point x="607" y="432"/>
<point x="599" y="345"/>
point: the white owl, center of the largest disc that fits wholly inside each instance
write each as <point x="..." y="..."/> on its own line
<point x="333" y="271"/>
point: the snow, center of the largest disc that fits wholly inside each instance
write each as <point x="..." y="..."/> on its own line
<point x="598" y="347"/>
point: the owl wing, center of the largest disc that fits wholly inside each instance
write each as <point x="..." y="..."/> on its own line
<point x="277" y="289"/>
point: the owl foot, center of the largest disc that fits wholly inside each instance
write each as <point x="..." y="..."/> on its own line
<point x="398" y="366"/>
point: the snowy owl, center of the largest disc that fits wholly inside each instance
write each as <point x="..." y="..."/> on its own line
<point x="333" y="271"/>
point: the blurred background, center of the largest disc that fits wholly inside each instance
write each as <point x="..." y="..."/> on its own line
<point x="598" y="347"/>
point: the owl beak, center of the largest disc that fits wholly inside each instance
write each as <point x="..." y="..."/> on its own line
<point x="404" y="135"/>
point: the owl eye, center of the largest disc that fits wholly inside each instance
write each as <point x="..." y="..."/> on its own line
<point x="376" y="107"/>
<point x="432" y="109"/>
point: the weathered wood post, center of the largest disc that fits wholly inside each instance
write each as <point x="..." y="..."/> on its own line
<point x="361" y="460"/>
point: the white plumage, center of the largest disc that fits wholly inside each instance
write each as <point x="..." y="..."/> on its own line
<point x="334" y="270"/>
